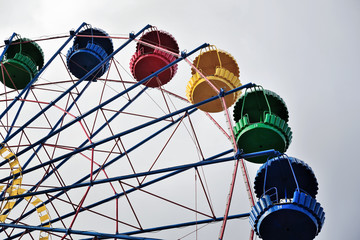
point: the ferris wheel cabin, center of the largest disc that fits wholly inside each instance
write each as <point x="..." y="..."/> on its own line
<point x="154" y="50"/>
<point x="23" y="59"/>
<point x="261" y="123"/>
<point x="217" y="70"/>
<point x="91" y="46"/>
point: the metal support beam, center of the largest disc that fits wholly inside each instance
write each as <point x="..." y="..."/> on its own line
<point x="110" y="100"/>
<point x="7" y="44"/>
<point x="186" y="224"/>
<point x="181" y="225"/>
<point x="75" y="232"/>
<point x="114" y="196"/>
<point x="153" y="172"/>
<point x="94" y="144"/>
<point x="111" y="162"/>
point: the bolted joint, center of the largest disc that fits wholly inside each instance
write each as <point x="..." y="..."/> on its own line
<point x="184" y="54"/>
<point x="132" y="36"/>
<point x="275" y="153"/>
<point x="222" y="92"/>
<point x="238" y="153"/>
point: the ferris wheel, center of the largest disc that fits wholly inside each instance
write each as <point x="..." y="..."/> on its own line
<point x="99" y="145"/>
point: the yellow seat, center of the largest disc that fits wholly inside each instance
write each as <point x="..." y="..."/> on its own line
<point x="222" y="71"/>
<point x="207" y="62"/>
<point x="199" y="89"/>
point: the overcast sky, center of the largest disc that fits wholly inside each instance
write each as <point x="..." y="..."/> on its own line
<point x="306" y="51"/>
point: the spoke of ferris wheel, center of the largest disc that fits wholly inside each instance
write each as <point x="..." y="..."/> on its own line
<point x="116" y="158"/>
<point x="50" y="135"/>
<point x="150" y="183"/>
<point x="95" y="133"/>
<point x="181" y="225"/>
<point x="184" y="55"/>
<point x="115" y="136"/>
<point x="186" y="224"/>
<point x="107" y="122"/>
<point x="41" y="71"/>
<point x="57" y="124"/>
<point x="86" y="141"/>
<point x="27" y="88"/>
<point x="105" y="165"/>
<point x="112" y="197"/>
<point x="110" y="162"/>
<point x="180" y="111"/>
<point x="97" y="203"/>
<point x="132" y="37"/>
<point x="75" y="232"/>
<point x="7" y="44"/>
<point x="208" y="161"/>
<point x="78" y="150"/>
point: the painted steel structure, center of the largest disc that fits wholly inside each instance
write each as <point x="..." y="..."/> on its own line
<point x="85" y="147"/>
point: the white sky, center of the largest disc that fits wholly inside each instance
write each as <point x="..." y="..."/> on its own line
<point x="306" y="51"/>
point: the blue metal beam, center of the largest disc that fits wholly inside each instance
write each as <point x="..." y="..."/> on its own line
<point x="147" y="184"/>
<point x="111" y="162"/>
<point x="58" y="123"/>
<point x="181" y="225"/>
<point x="94" y="144"/>
<point x="57" y="167"/>
<point x="186" y="224"/>
<point x="110" y="100"/>
<point x="95" y="133"/>
<point x="26" y="93"/>
<point x="109" y="198"/>
<point x="7" y="44"/>
<point x="248" y="85"/>
<point x="72" y="231"/>
<point x="78" y="150"/>
<point x="148" y="173"/>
